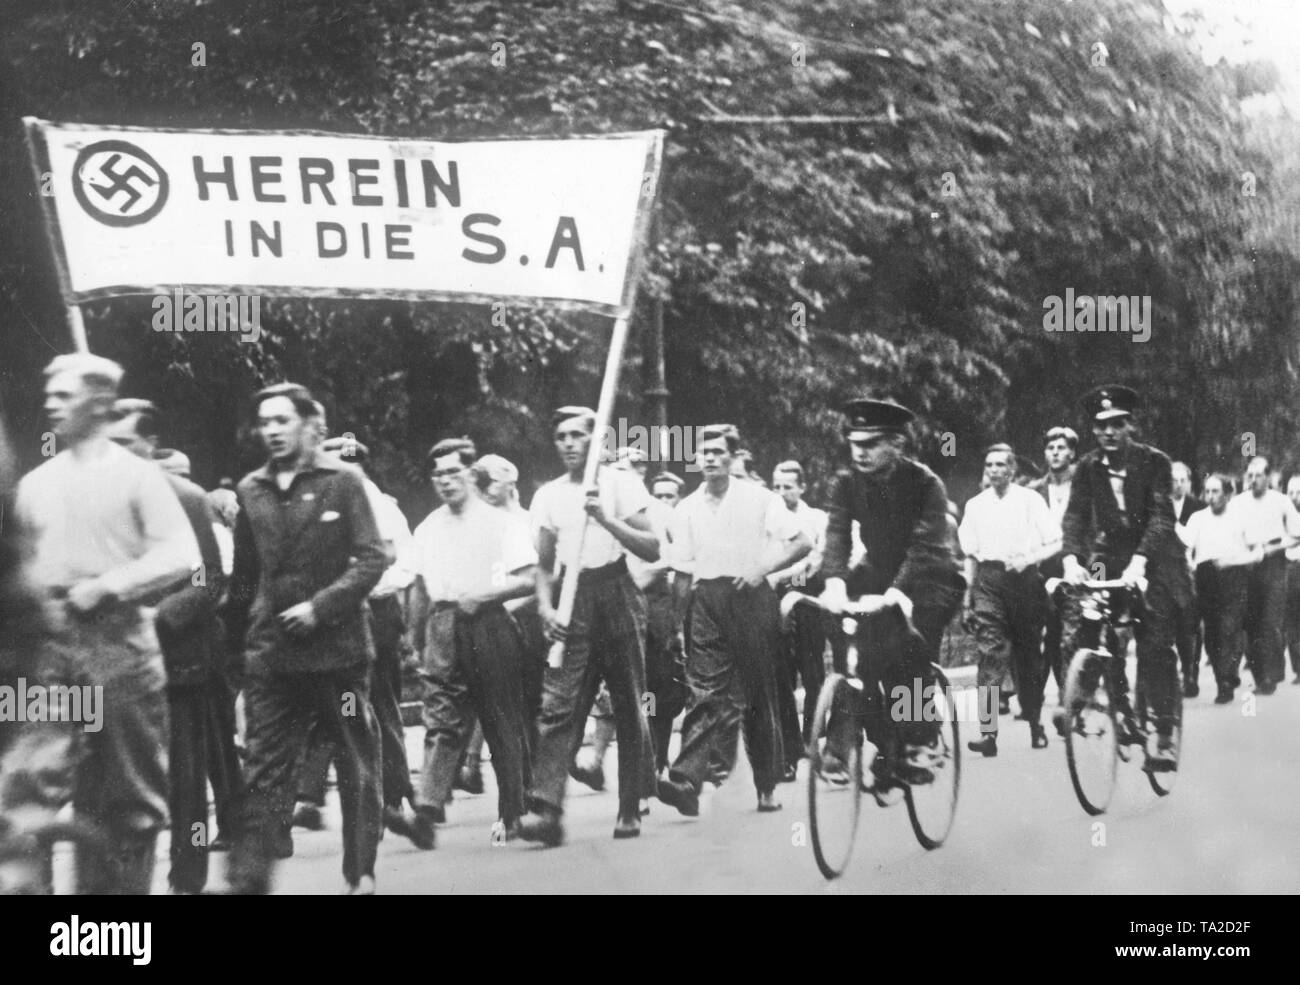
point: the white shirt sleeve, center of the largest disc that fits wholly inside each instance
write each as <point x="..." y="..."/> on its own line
<point x="516" y="544"/>
<point x="966" y="531"/>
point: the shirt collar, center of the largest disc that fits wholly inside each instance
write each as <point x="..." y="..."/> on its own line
<point x="314" y="462"/>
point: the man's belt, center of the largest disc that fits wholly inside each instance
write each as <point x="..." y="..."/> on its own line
<point x="607" y="572"/>
<point x="1002" y="566"/>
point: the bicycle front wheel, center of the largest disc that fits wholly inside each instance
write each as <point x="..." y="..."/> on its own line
<point x="835" y="774"/>
<point x="932" y="807"/>
<point x="1091" y="738"/>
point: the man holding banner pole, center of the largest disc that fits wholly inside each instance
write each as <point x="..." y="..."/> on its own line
<point x="604" y="632"/>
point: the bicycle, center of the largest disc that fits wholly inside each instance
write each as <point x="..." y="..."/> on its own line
<point x="1100" y="726"/>
<point x="844" y="762"/>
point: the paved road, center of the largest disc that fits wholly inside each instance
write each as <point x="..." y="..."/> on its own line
<point x="1229" y="827"/>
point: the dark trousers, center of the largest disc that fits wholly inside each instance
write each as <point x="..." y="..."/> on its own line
<point x="387" y="626"/>
<point x="665" y="670"/>
<point x="1265" y="604"/>
<point x="1292" y="620"/>
<point x="803" y="654"/>
<point x="1187" y="636"/>
<point x="731" y="669"/>
<point x="1221" y="602"/>
<point x="1156" y="654"/>
<point x="1009" y="610"/>
<point x="225" y="770"/>
<point x="606" y="640"/>
<point x="195" y="738"/>
<point x="282" y="708"/>
<point x="472" y="664"/>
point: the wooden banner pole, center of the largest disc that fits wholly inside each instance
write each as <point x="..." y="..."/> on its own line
<point x="604" y="411"/>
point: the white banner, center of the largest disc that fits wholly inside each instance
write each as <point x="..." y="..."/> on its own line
<point x="144" y="211"/>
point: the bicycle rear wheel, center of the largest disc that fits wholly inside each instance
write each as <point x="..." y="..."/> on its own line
<point x="1091" y="738"/>
<point x="835" y="774"/>
<point x="932" y="807"/>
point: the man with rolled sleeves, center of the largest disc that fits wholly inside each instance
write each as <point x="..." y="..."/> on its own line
<point x="307" y="554"/>
<point x="1292" y="620"/>
<point x="605" y="638"/>
<point x="1120" y="521"/>
<point x="1219" y="556"/>
<point x="1006" y="531"/>
<point x="900" y="511"/>
<point x="729" y="535"/>
<point x="1271" y="524"/>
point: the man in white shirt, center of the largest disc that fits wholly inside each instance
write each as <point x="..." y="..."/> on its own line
<point x="1271" y="524"/>
<point x="470" y="558"/>
<point x="605" y="637"/>
<point x="804" y="645"/>
<point x="1006" y="531"/>
<point x="1217" y="550"/>
<point x="1293" y="587"/>
<point x="730" y="534"/>
<point x="108" y="540"/>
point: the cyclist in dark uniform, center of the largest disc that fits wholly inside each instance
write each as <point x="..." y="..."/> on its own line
<point x="901" y="508"/>
<point x="1120" y="524"/>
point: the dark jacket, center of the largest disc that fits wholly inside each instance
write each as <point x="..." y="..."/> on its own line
<point x="1096" y="530"/>
<point x="1190" y="505"/>
<point x="315" y="542"/>
<point x="902" y="524"/>
<point x="188" y="630"/>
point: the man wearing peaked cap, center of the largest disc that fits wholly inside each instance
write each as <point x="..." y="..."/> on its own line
<point x="1110" y="402"/>
<point x="1120" y="520"/>
<point x="901" y="509"/>
<point x="868" y="419"/>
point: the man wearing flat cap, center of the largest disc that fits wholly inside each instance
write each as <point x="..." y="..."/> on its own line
<point x="901" y="509"/>
<point x="1120" y="521"/>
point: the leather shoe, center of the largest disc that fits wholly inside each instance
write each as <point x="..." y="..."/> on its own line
<point x="1037" y="737"/>
<point x="987" y="746"/>
<point x="767" y="802"/>
<point x="1061" y="721"/>
<point x="1191" y="689"/>
<point x="627" y="827"/>
<point x="542" y="825"/>
<point x="423" y="833"/>
<point x="593" y="777"/>
<point x="1224" y="696"/>
<point x="1267" y="688"/>
<point x="421" y="836"/>
<point x="681" y="795"/>
<point x="790" y="774"/>
<point x="469" y="779"/>
<point x="308" y="816"/>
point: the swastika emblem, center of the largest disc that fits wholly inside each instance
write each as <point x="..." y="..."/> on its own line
<point x="118" y="184"/>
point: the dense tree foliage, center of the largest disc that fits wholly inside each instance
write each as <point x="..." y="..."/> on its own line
<point x="925" y="174"/>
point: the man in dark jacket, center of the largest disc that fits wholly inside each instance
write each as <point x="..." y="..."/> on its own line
<point x="902" y="512"/>
<point x="307" y="554"/>
<point x="1119" y="523"/>
<point x="188" y="632"/>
